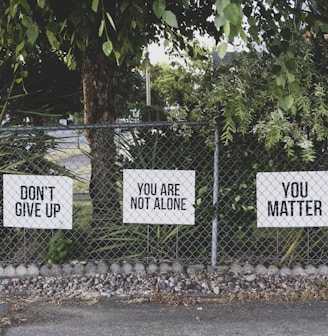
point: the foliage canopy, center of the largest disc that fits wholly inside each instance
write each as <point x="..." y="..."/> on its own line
<point x="96" y="35"/>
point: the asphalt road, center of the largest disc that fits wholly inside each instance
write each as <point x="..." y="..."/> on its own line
<point x="121" y="319"/>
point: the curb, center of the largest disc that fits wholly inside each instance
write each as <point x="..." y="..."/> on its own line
<point x="101" y="267"/>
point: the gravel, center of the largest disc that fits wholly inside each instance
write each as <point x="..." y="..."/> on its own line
<point x="165" y="282"/>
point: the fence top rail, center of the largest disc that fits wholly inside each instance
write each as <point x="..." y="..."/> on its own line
<point x="99" y="126"/>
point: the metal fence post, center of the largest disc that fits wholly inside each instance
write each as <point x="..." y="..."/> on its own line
<point x="215" y="196"/>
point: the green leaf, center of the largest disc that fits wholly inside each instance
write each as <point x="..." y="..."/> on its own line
<point x="222" y="50"/>
<point x="159" y="7"/>
<point x="289" y="101"/>
<point x="20" y="47"/>
<point x="101" y="28"/>
<point x="291" y="77"/>
<point x="124" y="4"/>
<point x="53" y="27"/>
<point x="52" y="39"/>
<point x="251" y="21"/>
<point x="294" y="87"/>
<point x="107" y="48"/>
<point x="15" y="66"/>
<point x="280" y="80"/>
<point x="27" y="21"/>
<point x="286" y="34"/>
<point x="231" y="12"/>
<point x="325" y="27"/>
<point x="111" y="21"/>
<point x="276" y="68"/>
<point x="41" y="3"/>
<point x="25" y="5"/>
<point x="291" y="64"/>
<point x="170" y="18"/>
<point x="226" y="28"/>
<point x="282" y="117"/>
<point x="32" y="33"/>
<point x="286" y="102"/>
<point x="221" y="4"/>
<point x="254" y="32"/>
<point x="186" y="3"/>
<point x="63" y="25"/>
<point x="243" y="35"/>
<point x="284" y="46"/>
<point x="275" y="50"/>
<point x="94" y="5"/>
<point x="219" y="21"/>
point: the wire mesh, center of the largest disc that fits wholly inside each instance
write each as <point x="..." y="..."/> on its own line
<point x="95" y="158"/>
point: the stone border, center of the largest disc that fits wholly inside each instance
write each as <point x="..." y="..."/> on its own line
<point x="101" y="267"/>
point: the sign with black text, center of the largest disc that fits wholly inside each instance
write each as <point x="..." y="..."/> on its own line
<point x="37" y="201"/>
<point x="158" y="196"/>
<point x="292" y="199"/>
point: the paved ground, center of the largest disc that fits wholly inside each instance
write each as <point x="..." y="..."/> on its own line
<point x="122" y="319"/>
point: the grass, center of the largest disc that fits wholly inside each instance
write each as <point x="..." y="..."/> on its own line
<point x="82" y="213"/>
<point x="81" y="186"/>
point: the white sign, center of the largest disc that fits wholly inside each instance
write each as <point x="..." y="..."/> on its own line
<point x="292" y="199"/>
<point x="39" y="202"/>
<point x="158" y="196"/>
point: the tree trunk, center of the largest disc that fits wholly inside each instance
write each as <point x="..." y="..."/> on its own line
<point x="98" y="76"/>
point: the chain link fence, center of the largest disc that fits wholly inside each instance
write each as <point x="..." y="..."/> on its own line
<point x="49" y="223"/>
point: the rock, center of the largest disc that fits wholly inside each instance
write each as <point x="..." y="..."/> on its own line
<point x="250" y="277"/>
<point x="310" y="269"/>
<point x="90" y="268"/>
<point x="210" y="269"/>
<point x="79" y="269"/>
<point x="236" y="268"/>
<point x="323" y="269"/>
<point x="130" y="280"/>
<point x="9" y="271"/>
<point x="152" y="268"/>
<point x="272" y="269"/>
<point x="32" y="271"/>
<point x="68" y="269"/>
<point x="285" y="271"/>
<point x="216" y="290"/>
<point x="139" y="268"/>
<point x="220" y="278"/>
<point x="102" y="267"/>
<point x="261" y="269"/>
<point x="221" y="268"/>
<point x="55" y="270"/>
<point x="205" y="285"/>
<point x="115" y="268"/>
<point x="194" y="269"/>
<point x="164" y="267"/>
<point x="127" y="268"/>
<point x="177" y="267"/>
<point x="21" y="271"/>
<point x="248" y="268"/>
<point x="298" y="270"/>
<point x="50" y="270"/>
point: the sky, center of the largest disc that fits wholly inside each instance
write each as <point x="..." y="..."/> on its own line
<point x="157" y="52"/>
